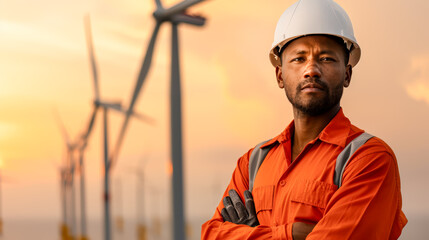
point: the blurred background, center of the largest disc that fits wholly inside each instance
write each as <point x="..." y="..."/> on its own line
<point x="230" y="98"/>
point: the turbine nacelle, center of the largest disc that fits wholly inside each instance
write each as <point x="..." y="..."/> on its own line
<point x="177" y="13"/>
<point x="117" y="106"/>
<point x="195" y="20"/>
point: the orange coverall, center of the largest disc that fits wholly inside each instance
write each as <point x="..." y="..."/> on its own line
<point x="367" y="205"/>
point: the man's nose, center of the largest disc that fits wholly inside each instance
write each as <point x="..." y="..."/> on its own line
<point x="312" y="70"/>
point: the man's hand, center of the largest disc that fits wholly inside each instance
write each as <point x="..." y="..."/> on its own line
<point x="235" y="212"/>
<point x="300" y="230"/>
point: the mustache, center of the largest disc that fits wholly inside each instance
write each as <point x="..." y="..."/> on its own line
<point x="317" y="81"/>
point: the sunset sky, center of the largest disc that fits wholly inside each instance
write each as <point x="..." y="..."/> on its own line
<point x="230" y="98"/>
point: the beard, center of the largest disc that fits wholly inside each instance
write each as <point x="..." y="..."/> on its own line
<point x="316" y="105"/>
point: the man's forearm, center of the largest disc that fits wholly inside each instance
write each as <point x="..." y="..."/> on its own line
<point x="215" y="229"/>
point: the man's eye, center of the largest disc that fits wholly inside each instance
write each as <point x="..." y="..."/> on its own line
<point x="327" y="59"/>
<point x="298" y="59"/>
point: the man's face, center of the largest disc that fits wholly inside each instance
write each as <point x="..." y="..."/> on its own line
<point x="313" y="74"/>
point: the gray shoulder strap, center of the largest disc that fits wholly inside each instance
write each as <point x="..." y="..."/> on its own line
<point x="346" y="154"/>
<point x="256" y="158"/>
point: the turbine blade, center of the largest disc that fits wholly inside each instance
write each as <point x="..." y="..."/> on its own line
<point x="158" y="4"/>
<point x="140" y="81"/>
<point x="91" y="123"/>
<point x="118" y="108"/>
<point x="144" y="118"/>
<point x="145" y="68"/>
<point x="89" y="43"/>
<point x="62" y="127"/>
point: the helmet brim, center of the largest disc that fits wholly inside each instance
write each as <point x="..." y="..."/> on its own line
<point x="354" y="57"/>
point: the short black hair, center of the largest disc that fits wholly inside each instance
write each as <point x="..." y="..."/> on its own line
<point x="338" y="40"/>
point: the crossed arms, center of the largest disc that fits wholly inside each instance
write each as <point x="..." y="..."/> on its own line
<point x="235" y="211"/>
<point x="355" y="211"/>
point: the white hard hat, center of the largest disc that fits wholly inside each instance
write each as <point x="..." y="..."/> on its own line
<point x="309" y="17"/>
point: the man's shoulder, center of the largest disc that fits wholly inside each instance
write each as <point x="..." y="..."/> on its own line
<point x="375" y="148"/>
<point x="377" y="145"/>
<point x="266" y="144"/>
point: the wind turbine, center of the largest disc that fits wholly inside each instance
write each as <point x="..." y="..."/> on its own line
<point x="119" y="218"/>
<point x="67" y="175"/>
<point x="68" y="189"/>
<point x="105" y="107"/>
<point x="64" y="227"/>
<point x="141" y="226"/>
<point x="175" y="15"/>
<point x="68" y="171"/>
<point x="83" y="229"/>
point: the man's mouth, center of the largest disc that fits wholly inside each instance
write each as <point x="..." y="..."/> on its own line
<point x="312" y="87"/>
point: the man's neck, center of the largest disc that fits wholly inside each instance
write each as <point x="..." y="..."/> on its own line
<point x="308" y="128"/>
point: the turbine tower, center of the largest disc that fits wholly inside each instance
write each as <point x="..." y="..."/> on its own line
<point x="64" y="229"/>
<point x="175" y="15"/>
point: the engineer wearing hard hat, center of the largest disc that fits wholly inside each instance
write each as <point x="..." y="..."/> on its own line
<point x="298" y="192"/>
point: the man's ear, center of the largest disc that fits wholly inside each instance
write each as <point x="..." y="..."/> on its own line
<point x="279" y="77"/>
<point x="348" y="78"/>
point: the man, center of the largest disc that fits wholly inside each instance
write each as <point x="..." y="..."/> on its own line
<point x="294" y="195"/>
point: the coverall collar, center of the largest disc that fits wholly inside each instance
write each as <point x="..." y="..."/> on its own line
<point x="336" y="132"/>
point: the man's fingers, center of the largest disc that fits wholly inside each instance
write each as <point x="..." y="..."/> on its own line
<point x="236" y="212"/>
<point x="238" y="205"/>
<point x="227" y="203"/>
<point x="250" y="204"/>
<point x="234" y="196"/>
<point x="241" y="211"/>
<point x="225" y="215"/>
<point x="248" y="195"/>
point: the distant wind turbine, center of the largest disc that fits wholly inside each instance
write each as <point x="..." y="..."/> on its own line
<point x="175" y="15"/>
<point x="105" y="107"/>
<point x="141" y="226"/>
<point x="68" y="171"/>
<point x="63" y="188"/>
<point x="68" y="191"/>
